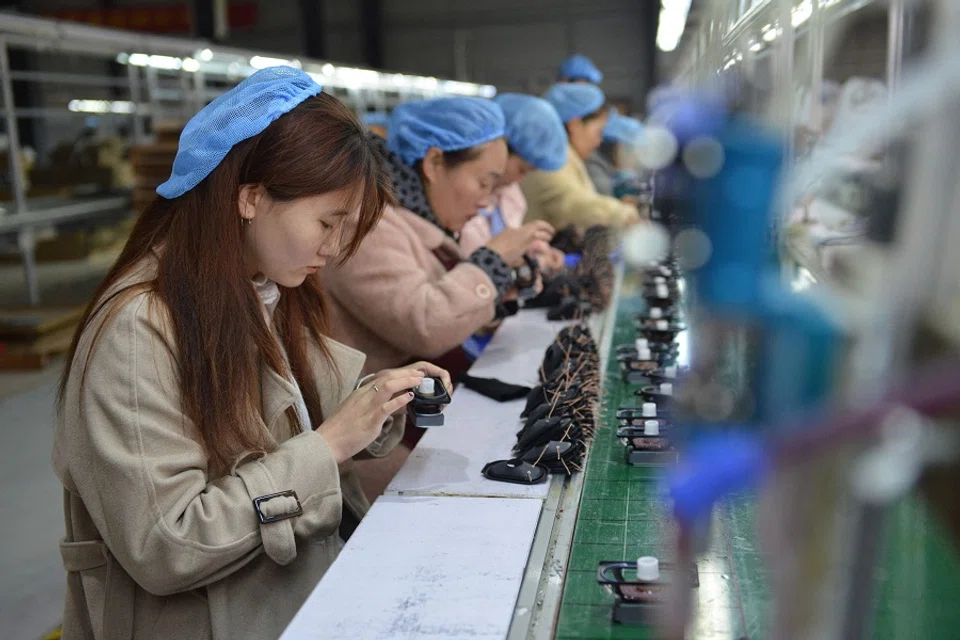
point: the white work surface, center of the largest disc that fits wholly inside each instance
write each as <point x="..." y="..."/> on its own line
<point x="425" y="568"/>
<point x="448" y="460"/>
<point x="442" y="554"/>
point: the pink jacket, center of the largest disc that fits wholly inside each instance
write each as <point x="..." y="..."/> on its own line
<point x="513" y="207"/>
<point x="396" y="302"/>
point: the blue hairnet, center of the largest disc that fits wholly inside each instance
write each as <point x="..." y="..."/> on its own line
<point x="450" y="124"/>
<point x="534" y="130"/>
<point x="578" y="67"/>
<point x="238" y="114"/>
<point x="375" y="119"/>
<point x="574" y="100"/>
<point x="622" y="129"/>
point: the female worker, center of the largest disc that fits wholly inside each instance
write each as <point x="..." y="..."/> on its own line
<point x="205" y="420"/>
<point x="610" y="168"/>
<point x="579" y="68"/>
<point x="409" y="292"/>
<point x="536" y="141"/>
<point x="567" y="197"/>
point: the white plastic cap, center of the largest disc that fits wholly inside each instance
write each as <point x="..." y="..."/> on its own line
<point x="651" y="428"/>
<point x="662" y="291"/>
<point x="644" y="354"/>
<point x="660" y="280"/>
<point x="427" y="387"/>
<point x="648" y="569"/>
<point x="641" y="344"/>
<point x="649" y="410"/>
<point x="666" y="388"/>
<point x="663" y="325"/>
<point x="656" y="313"/>
<point x="670" y="372"/>
<point x="665" y="270"/>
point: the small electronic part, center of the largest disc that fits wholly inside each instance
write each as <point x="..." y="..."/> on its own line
<point x="429" y="399"/>
<point x="659" y="394"/>
<point x="515" y="471"/>
<point x="525" y="279"/>
<point x="639" y="596"/>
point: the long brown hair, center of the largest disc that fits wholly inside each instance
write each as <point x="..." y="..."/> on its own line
<point x="221" y="337"/>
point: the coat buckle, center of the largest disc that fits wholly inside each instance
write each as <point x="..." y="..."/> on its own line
<point x="267" y="519"/>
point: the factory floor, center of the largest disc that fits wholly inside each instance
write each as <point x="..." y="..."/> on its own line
<point x="31" y="577"/>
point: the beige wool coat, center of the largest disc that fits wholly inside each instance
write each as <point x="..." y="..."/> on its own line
<point x="155" y="547"/>
<point x="395" y="301"/>
<point x="568" y="197"/>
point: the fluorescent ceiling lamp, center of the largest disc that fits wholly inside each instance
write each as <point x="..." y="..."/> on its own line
<point x="326" y="74"/>
<point x="165" y="62"/>
<point x="801" y="13"/>
<point x="101" y="106"/>
<point x="756" y="46"/>
<point x="673" y="19"/>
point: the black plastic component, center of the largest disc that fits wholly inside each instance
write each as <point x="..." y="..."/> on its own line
<point x="525" y="279"/>
<point x="635" y="428"/>
<point x="651" y="451"/>
<point x="426" y="410"/>
<point x="651" y="393"/>
<point x="627" y="414"/>
<point x="516" y="471"/>
<point x="555" y="456"/>
<point x="539" y="413"/>
<point x="655" y="300"/>
<point x="570" y="308"/>
<point x="637" y="601"/>
<point x="543" y="431"/>
<point x="649" y="329"/>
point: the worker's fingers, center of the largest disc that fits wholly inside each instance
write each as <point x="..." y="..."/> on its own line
<point x="393" y="386"/>
<point x="392" y="406"/>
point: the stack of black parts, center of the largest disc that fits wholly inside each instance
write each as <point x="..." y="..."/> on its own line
<point x="559" y="419"/>
<point x="573" y="294"/>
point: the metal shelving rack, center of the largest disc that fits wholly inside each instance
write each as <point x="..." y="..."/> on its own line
<point x="162" y="78"/>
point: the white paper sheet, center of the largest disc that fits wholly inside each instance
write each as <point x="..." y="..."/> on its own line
<point x="448" y="460"/>
<point x="429" y="568"/>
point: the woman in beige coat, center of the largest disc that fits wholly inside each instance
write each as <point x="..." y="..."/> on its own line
<point x="409" y="292"/>
<point x="206" y="424"/>
<point x="568" y="196"/>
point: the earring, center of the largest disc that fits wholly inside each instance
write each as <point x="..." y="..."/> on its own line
<point x="245" y="222"/>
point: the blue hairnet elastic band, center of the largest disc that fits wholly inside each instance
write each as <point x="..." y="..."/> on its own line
<point x="239" y="114"/>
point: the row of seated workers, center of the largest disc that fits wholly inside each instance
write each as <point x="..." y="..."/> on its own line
<point x="234" y="397"/>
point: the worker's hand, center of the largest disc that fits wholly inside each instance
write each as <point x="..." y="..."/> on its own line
<point x="512" y="244"/>
<point x="629" y="199"/>
<point x="431" y="370"/>
<point x="359" y="419"/>
<point x="549" y="260"/>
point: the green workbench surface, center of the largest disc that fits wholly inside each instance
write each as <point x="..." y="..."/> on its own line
<point x="622" y="517"/>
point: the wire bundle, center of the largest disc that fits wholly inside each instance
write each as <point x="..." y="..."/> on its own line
<point x="560" y="416"/>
